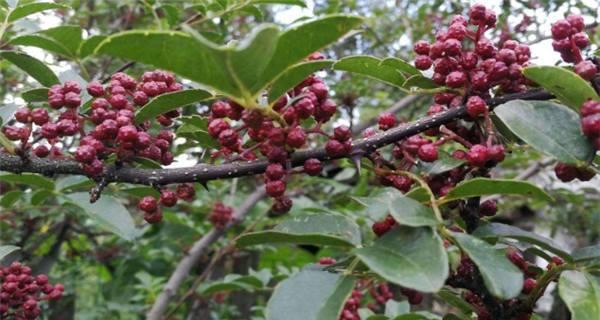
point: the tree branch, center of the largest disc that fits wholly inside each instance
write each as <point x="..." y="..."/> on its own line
<point x="206" y="172"/>
<point x="193" y="255"/>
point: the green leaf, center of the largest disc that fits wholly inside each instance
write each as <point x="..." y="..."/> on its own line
<point x="456" y="301"/>
<point x="394" y="308"/>
<point x="548" y="127"/>
<point x="29" y="179"/>
<point x="32" y="66"/>
<point x="299" y="41"/>
<point x="486" y="186"/>
<point x="405" y="210"/>
<point x="8" y="199"/>
<point x="31" y="8"/>
<point x="310" y="294"/>
<point x="196" y="128"/>
<point x="7" y="112"/>
<point x="288" y="2"/>
<point x="239" y="70"/>
<point x="62" y="40"/>
<point x="497" y="230"/>
<point x="170" y="101"/>
<point x="321" y="229"/>
<point x="294" y="75"/>
<point x="501" y="277"/>
<point x="444" y="163"/>
<point x="35" y="95"/>
<point x="371" y="67"/>
<point x="586" y="253"/>
<point x="419" y="82"/>
<point x="410" y="257"/>
<point x="40" y="196"/>
<point x="581" y="293"/>
<point x="568" y="86"/>
<point x="111" y="214"/>
<point x="89" y="45"/>
<point x="6" y="250"/>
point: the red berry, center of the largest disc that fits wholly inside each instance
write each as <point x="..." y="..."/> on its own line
<point x="477" y="13"/>
<point x="528" y="285"/>
<point x="476" y="106"/>
<point x="423" y="62"/>
<point x="561" y="29"/>
<point x="342" y="133"/>
<point x="275" y="188"/>
<point x="281" y="205"/>
<point x="140" y="98"/>
<point x="380" y="228"/>
<point x="581" y="40"/>
<point x="216" y="126"/>
<point x="496" y="153"/>
<point x="168" y="198"/>
<point x="95" y="89"/>
<point x="94" y="169"/>
<point x="153" y="217"/>
<point x="456" y="79"/>
<point x="590" y="125"/>
<point x="41" y="151"/>
<point x="452" y="47"/>
<point x="127" y="134"/>
<point x="186" y="191"/>
<point x="516" y="258"/>
<point x="23" y="115"/>
<point x="488" y="208"/>
<point x="565" y="172"/>
<point x="386" y="121"/>
<point x="228" y="138"/>
<point x="586" y="69"/>
<point x="275" y="171"/>
<point x="313" y="167"/>
<point x="39" y="116"/>
<point x="296" y="137"/>
<point x="148" y="204"/>
<point x="590" y="107"/>
<point x="118" y="101"/>
<point x="336" y="149"/>
<point x="477" y="156"/>
<point x="428" y="152"/>
<point x="85" y="154"/>
<point x="576" y="21"/>
<point x="421" y="47"/>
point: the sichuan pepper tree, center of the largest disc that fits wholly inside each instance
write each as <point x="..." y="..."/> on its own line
<point x="264" y="115"/>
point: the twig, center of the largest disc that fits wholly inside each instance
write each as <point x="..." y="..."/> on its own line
<point x="204" y="172"/>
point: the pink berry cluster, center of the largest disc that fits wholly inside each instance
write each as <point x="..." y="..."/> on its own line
<point x="21" y="292"/>
<point x="463" y="58"/>
<point x="276" y="133"/>
<point x="168" y="198"/>
<point x="569" y="38"/>
<point x="220" y="215"/>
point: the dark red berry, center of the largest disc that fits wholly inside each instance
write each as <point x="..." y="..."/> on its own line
<point x="275" y="171"/>
<point x="95" y="89"/>
<point x="296" y="137"/>
<point x="528" y="285"/>
<point x="428" y="152"/>
<point x="476" y="106"/>
<point x="477" y="156"/>
<point x="85" y="154"/>
<point x="313" y="167"/>
<point x="275" y="188"/>
<point x="386" y="121"/>
<point x="148" y="204"/>
<point x="488" y="208"/>
<point x="168" y="198"/>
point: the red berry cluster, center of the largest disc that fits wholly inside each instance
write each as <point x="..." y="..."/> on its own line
<point x="112" y="116"/>
<point x="569" y="39"/>
<point x="590" y="121"/>
<point x="567" y="172"/>
<point x="276" y="132"/>
<point x="462" y="57"/>
<point x="168" y="198"/>
<point x="221" y="215"/>
<point x="21" y="292"/>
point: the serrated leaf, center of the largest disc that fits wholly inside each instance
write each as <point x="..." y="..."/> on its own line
<point x="294" y="75"/>
<point x="321" y="229"/>
<point x="170" y="101"/>
<point x="502" y="278"/>
<point x="29" y="179"/>
<point x="6" y="250"/>
<point x="310" y="294"/>
<point x="111" y="214"/>
<point x="35" y="95"/>
<point x="548" y="127"/>
<point x="486" y="186"/>
<point x="581" y="293"/>
<point x="568" y="86"/>
<point x="31" y="8"/>
<point x="371" y="67"/>
<point x="496" y="230"/>
<point x="32" y="66"/>
<point x="411" y="257"/>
